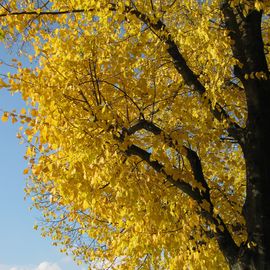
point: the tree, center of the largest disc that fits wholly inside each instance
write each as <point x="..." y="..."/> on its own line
<point x="148" y="135"/>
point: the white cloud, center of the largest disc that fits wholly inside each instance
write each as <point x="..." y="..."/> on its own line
<point x="65" y="263"/>
<point x="48" y="266"/>
<point x="4" y="267"/>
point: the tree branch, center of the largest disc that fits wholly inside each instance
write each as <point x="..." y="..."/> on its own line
<point x="196" y="166"/>
<point x="223" y="236"/>
<point x="190" y="78"/>
<point x="34" y="12"/>
<point x="191" y="155"/>
<point x="158" y="167"/>
<point x="235" y="35"/>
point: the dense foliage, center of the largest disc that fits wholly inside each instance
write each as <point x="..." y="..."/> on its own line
<point x="135" y="126"/>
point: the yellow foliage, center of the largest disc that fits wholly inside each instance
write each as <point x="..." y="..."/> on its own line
<point x="5" y="117"/>
<point x="106" y="83"/>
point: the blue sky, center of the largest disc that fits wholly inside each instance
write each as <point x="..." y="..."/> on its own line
<point x="21" y="247"/>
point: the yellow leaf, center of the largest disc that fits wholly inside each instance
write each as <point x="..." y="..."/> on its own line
<point x="2" y="83"/>
<point x="29" y="132"/>
<point x="34" y="112"/>
<point x="85" y="205"/>
<point x="5" y="117"/>
<point x="23" y="111"/>
<point x="14" y="120"/>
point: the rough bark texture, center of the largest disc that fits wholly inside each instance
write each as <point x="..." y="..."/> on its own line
<point x="256" y="143"/>
<point x="249" y="50"/>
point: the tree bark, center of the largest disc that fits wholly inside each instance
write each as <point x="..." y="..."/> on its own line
<point x="255" y="148"/>
<point x="255" y="254"/>
<point x="248" y="48"/>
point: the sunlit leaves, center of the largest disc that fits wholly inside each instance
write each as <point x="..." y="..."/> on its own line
<point x="102" y="69"/>
<point x="5" y="117"/>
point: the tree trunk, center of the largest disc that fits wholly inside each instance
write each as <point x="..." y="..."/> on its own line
<point x="255" y="142"/>
<point x="255" y="147"/>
